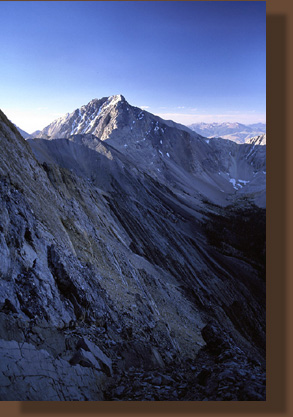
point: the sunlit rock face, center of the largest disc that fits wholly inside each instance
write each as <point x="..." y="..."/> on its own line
<point x="132" y="257"/>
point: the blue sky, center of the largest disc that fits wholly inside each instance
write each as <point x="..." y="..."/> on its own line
<point x="186" y="61"/>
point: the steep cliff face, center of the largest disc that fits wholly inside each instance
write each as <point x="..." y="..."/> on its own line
<point x="109" y="275"/>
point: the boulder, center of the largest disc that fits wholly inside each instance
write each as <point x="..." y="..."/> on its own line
<point x="105" y="363"/>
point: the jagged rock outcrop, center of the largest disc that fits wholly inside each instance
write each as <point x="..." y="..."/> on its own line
<point x="107" y="273"/>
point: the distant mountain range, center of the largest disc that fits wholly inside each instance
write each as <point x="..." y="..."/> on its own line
<point x="237" y="132"/>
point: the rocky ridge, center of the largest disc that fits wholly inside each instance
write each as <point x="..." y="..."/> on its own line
<point x="257" y="140"/>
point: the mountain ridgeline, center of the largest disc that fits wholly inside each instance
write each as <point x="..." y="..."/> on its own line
<point x="132" y="260"/>
<point x="169" y="152"/>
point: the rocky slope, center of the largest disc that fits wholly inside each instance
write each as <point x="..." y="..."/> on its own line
<point x="237" y="132"/>
<point x="111" y="278"/>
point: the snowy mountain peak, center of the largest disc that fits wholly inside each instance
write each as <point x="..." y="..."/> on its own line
<point x="89" y="118"/>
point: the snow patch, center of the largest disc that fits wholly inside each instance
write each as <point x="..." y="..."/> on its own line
<point x="238" y="183"/>
<point x="233" y="182"/>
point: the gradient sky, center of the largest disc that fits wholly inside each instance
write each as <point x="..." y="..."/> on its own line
<point x="186" y="61"/>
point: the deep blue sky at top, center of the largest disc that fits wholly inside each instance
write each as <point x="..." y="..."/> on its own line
<point x="193" y="60"/>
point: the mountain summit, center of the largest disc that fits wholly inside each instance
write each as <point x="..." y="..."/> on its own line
<point x="89" y="118"/>
<point x="100" y="117"/>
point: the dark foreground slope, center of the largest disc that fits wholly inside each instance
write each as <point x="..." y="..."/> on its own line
<point x="113" y="287"/>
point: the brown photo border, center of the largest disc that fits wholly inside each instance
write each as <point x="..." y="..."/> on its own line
<point x="279" y="262"/>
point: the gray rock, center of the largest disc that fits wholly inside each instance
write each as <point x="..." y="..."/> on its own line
<point x="86" y="359"/>
<point x="119" y="390"/>
<point x="104" y="361"/>
<point x="157" y="380"/>
<point x="35" y="375"/>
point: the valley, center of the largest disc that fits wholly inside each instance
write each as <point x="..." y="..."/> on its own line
<point x="132" y="252"/>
